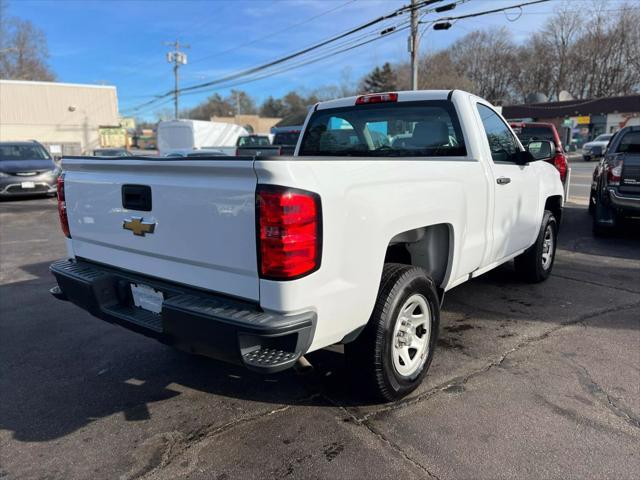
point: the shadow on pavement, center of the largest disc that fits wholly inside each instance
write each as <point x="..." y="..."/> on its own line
<point x="61" y="369"/>
<point x="576" y="236"/>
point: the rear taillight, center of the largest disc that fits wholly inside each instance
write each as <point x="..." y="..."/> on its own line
<point x="289" y="232"/>
<point x="237" y="152"/>
<point x="377" y="98"/>
<point x="560" y="162"/>
<point x="62" y="207"/>
<point x="614" y="172"/>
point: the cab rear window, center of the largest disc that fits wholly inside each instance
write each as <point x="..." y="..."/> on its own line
<point x="404" y="129"/>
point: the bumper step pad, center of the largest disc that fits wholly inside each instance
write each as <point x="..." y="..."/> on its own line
<point x="271" y="357"/>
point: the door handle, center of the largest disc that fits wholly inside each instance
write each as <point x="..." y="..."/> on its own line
<point x="503" y="180"/>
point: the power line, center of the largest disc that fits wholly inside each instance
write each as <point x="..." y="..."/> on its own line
<point x="348" y="46"/>
<point x="343" y="48"/>
<point x="207" y="21"/>
<point x="272" y="34"/>
<point x="305" y="50"/>
<point x="487" y="12"/>
<point x="250" y="71"/>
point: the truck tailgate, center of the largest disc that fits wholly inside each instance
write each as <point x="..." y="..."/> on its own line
<point x="199" y="229"/>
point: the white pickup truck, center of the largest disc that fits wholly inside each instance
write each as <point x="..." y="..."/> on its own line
<point x="389" y="201"/>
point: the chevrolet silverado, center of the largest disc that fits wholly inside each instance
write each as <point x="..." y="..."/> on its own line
<point x="389" y="201"/>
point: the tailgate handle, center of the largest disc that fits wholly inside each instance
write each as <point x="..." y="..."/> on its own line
<point x="136" y="197"/>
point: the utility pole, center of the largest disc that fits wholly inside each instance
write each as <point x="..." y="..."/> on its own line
<point x="177" y="58"/>
<point x="413" y="45"/>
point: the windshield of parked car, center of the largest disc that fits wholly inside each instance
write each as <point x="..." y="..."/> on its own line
<point x="254" y="142"/>
<point x="630" y="143"/>
<point x="405" y="129"/>
<point x="529" y="134"/>
<point x="23" y="152"/>
<point x="603" y="138"/>
<point x="286" y="138"/>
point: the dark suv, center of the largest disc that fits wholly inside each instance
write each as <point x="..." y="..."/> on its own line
<point x="615" y="190"/>
<point x="531" y="131"/>
<point x="26" y="168"/>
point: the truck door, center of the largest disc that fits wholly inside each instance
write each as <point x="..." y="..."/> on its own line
<point x="515" y="221"/>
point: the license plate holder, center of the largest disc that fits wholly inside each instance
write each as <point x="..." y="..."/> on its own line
<point x="147" y="298"/>
<point x="26" y="185"/>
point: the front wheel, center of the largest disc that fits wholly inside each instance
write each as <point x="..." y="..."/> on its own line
<point x="536" y="263"/>
<point x="391" y="356"/>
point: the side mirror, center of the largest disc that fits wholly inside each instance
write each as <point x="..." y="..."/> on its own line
<point x="542" y="149"/>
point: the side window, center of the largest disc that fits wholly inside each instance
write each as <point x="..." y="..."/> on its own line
<point x="501" y="141"/>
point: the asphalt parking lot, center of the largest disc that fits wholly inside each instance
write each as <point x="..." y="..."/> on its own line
<point x="537" y="381"/>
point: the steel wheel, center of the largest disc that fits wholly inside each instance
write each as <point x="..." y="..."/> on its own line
<point x="547" y="248"/>
<point x="411" y="336"/>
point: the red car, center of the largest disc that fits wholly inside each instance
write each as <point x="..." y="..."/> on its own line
<point x="529" y="131"/>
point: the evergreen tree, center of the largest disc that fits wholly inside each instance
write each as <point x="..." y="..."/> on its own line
<point x="380" y="80"/>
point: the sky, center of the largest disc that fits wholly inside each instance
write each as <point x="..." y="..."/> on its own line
<point x="123" y="42"/>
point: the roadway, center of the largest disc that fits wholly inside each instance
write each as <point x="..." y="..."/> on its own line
<point x="581" y="174"/>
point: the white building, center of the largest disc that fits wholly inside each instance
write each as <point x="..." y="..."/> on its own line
<point x="64" y="116"/>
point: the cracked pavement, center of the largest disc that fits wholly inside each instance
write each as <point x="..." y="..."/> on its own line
<point x="529" y="381"/>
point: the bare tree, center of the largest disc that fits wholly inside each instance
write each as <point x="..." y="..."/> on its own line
<point x="591" y="58"/>
<point x="486" y="59"/>
<point x="23" y="50"/>
<point x="559" y="38"/>
<point x="441" y="72"/>
<point x="607" y="55"/>
<point x="532" y="76"/>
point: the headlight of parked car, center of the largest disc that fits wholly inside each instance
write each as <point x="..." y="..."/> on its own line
<point x="2" y="174"/>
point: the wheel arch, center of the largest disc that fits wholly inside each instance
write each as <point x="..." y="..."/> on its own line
<point x="554" y="205"/>
<point x="429" y="247"/>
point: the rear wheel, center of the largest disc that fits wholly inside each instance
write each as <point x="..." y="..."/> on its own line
<point x="536" y="263"/>
<point x="393" y="353"/>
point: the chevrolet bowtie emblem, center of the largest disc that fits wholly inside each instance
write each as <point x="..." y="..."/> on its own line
<point x="138" y="227"/>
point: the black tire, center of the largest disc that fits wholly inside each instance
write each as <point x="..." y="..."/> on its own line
<point x="530" y="265"/>
<point x="370" y="356"/>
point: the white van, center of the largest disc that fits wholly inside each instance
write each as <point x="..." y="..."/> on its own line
<point x="184" y="136"/>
